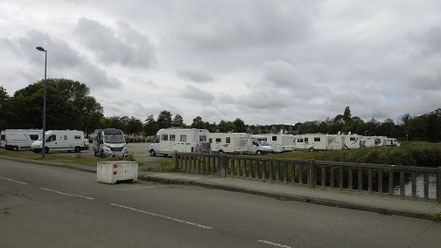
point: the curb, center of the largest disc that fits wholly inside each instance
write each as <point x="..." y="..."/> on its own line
<point x="325" y="202"/>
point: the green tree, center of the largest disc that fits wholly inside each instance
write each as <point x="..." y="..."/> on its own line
<point x="4" y="108"/>
<point x="178" y="121"/>
<point x="151" y="126"/>
<point x="433" y="126"/>
<point x="347" y="114"/>
<point x="134" y="126"/>
<point x="239" y="125"/>
<point x="164" y="119"/>
<point x="226" y="126"/>
<point x="197" y="123"/>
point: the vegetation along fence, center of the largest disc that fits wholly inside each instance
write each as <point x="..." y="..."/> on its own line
<point x="423" y="183"/>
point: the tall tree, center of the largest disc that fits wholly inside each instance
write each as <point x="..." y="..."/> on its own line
<point x="164" y="119"/>
<point x="197" y="122"/>
<point x="178" y="121"/>
<point x="151" y="126"/>
<point x="134" y="126"/>
<point x="4" y="108"/>
<point x="239" y="125"/>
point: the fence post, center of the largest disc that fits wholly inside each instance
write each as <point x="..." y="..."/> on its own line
<point x="222" y="165"/>
<point x="438" y="186"/>
<point x="311" y="179"/>
<point x="175" y="160"/>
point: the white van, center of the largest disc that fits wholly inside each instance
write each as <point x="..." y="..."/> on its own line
<point x="280" y="142"/>
<point x="392" y="142"/>
<point x="60" y="140"/>
<point x="257" y="144"/>
<point x="320" y="142"/>
<point x="177" y="139"/>
<point x="19" y="139"/>
<point x="235" y="143"/>
<point x="109" y="142"/>
<point x="372" y="141"/>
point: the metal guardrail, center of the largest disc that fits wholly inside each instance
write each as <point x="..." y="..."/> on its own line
<point x="381" y="179"/>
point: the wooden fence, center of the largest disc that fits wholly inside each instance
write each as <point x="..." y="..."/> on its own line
<point x="387" y="180"/>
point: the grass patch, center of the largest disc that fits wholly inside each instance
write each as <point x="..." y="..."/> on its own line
<point x="75" y="159"/>
<point x="410" y="154"/>
<point x="166" y="165"/>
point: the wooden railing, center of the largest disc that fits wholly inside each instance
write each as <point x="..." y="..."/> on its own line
<point x="387" y="180"/>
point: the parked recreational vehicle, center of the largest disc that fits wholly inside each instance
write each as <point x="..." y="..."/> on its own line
<point x="60" y="140"/>
<point x="392" y="142"/>
<point x="236" y="143"/>
<point x="257" y="144"/>
<point x="19" y="139"/>
<point x="352" y="141"/>
<point x="280" y="142"/>
<point x="371" y="141"/>
<point x="177" y="139"/>
<point x="320" y="142"/>
<point x="109" y="142"/>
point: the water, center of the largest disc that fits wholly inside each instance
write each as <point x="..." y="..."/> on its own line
<point x="419" y="186"/>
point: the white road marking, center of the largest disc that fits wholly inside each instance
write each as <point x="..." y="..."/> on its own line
<point x="12" y="180"/>
<point x="161" y="216"/>
<point x="66" y="194"/>
<point x="272" y="243"/>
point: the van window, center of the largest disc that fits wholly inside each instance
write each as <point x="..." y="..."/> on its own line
<point x="65" y="137"/>
<point x="218" y="140"/>
<point x="3" y="137"/>
<point x="156" y="139"/>
<point x="172" y="137"/>
<point x="52" y="138"/>
<point x="32" y="136"/>
<point x="306" y="140"/>
<point x="352" y="138"/>
<point x="202" y="138"/>
<point x="227" y="140"/>
<point x="164" y="137"/>
<point x="77" y="137"/>
<point x="316" y="139"/>
<point x="210" y="140"/>
<point x="274" y="138"/>
<point x="183" y="138"/>
<point x="299" y="140"/>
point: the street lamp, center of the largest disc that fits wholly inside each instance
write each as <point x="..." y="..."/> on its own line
<point x="365" y="132"/>
<point x="43" y="148"/>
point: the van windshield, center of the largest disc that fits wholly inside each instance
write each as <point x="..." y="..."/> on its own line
<point x="262" y="142"/>
<point x="114" y="139"/>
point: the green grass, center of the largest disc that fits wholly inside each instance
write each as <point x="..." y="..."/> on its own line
<point x="409" y="153"/>
<point x="166" y="166"/>
<point x="76" y="159"/>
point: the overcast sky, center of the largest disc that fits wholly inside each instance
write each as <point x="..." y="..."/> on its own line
<point x="262" y="61"/>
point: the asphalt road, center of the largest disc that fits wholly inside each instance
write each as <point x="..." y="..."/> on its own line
<point x="43" y="206"/>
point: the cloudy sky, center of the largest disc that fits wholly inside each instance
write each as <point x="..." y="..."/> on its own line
<point x="262" y="61"/>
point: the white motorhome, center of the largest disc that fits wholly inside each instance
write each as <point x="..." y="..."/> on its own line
<point x="109" y="142"/>
<point x="280" y="142"/>
<point x="392" y="142"/>
<point x="371" y="141"/>
<point x="19" y="139"/>
<point x="177" y="139"/>
<point x="60" y="140"/>
<point x="320" y="142"/>
<point x="235" y="143"/>
<point x="352" y="141"/>
<point x="257" y="144"/>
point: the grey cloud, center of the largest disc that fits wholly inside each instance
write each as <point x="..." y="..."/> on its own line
<point x="124" y="46"/>
<point x="63" y="61"/>
<point x="194" y="93"/>
<point x="195" y="76"/>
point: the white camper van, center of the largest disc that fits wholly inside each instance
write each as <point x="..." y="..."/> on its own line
<point x="257" y="144"/>
<point x="320" y="142"/>
<point x="352" y="141"/>
<point x="177" y="139"/>
<point x="392" y="142"/>
<point x="19" y="139"/>
<point x="280" y="142"/>
<point x="109" y="142"/>
<point x="60" y="140"/>
<point x="235" y="143"/>
<point x="371" y="141"/>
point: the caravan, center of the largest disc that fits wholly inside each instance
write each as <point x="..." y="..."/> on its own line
<point x="19" y="139"/>
<point x="352" y="141"/>
<point x="257" y="144"/>
<point x="320" y="142"/>
<point x="60" y="140"/>
<point x="371" y="141"/>
<point x="280" y="142"/>
<point x="109" y="142"/>
<point x="235" y="143"/>
<point x="177" y="139"/>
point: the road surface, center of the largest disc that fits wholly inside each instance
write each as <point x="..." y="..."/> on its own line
<point x="44" y="206"/>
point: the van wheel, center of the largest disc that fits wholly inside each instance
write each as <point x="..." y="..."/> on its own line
<point x="15" y="148"/>
<point x="46" y="150"/>
<point x="77" y="149"/>
<point x="221" y="152"/>
<point x="152" y="153"/>
<point x="311" y="149"/>
<point x="258" y="152"/>
<point x="102" y="155"/>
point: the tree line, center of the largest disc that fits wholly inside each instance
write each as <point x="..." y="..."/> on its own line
<point x="69" y="106"/>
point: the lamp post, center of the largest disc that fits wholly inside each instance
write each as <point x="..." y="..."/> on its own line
<point x="43" y="148"/>
<point x="365" y="132"/>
